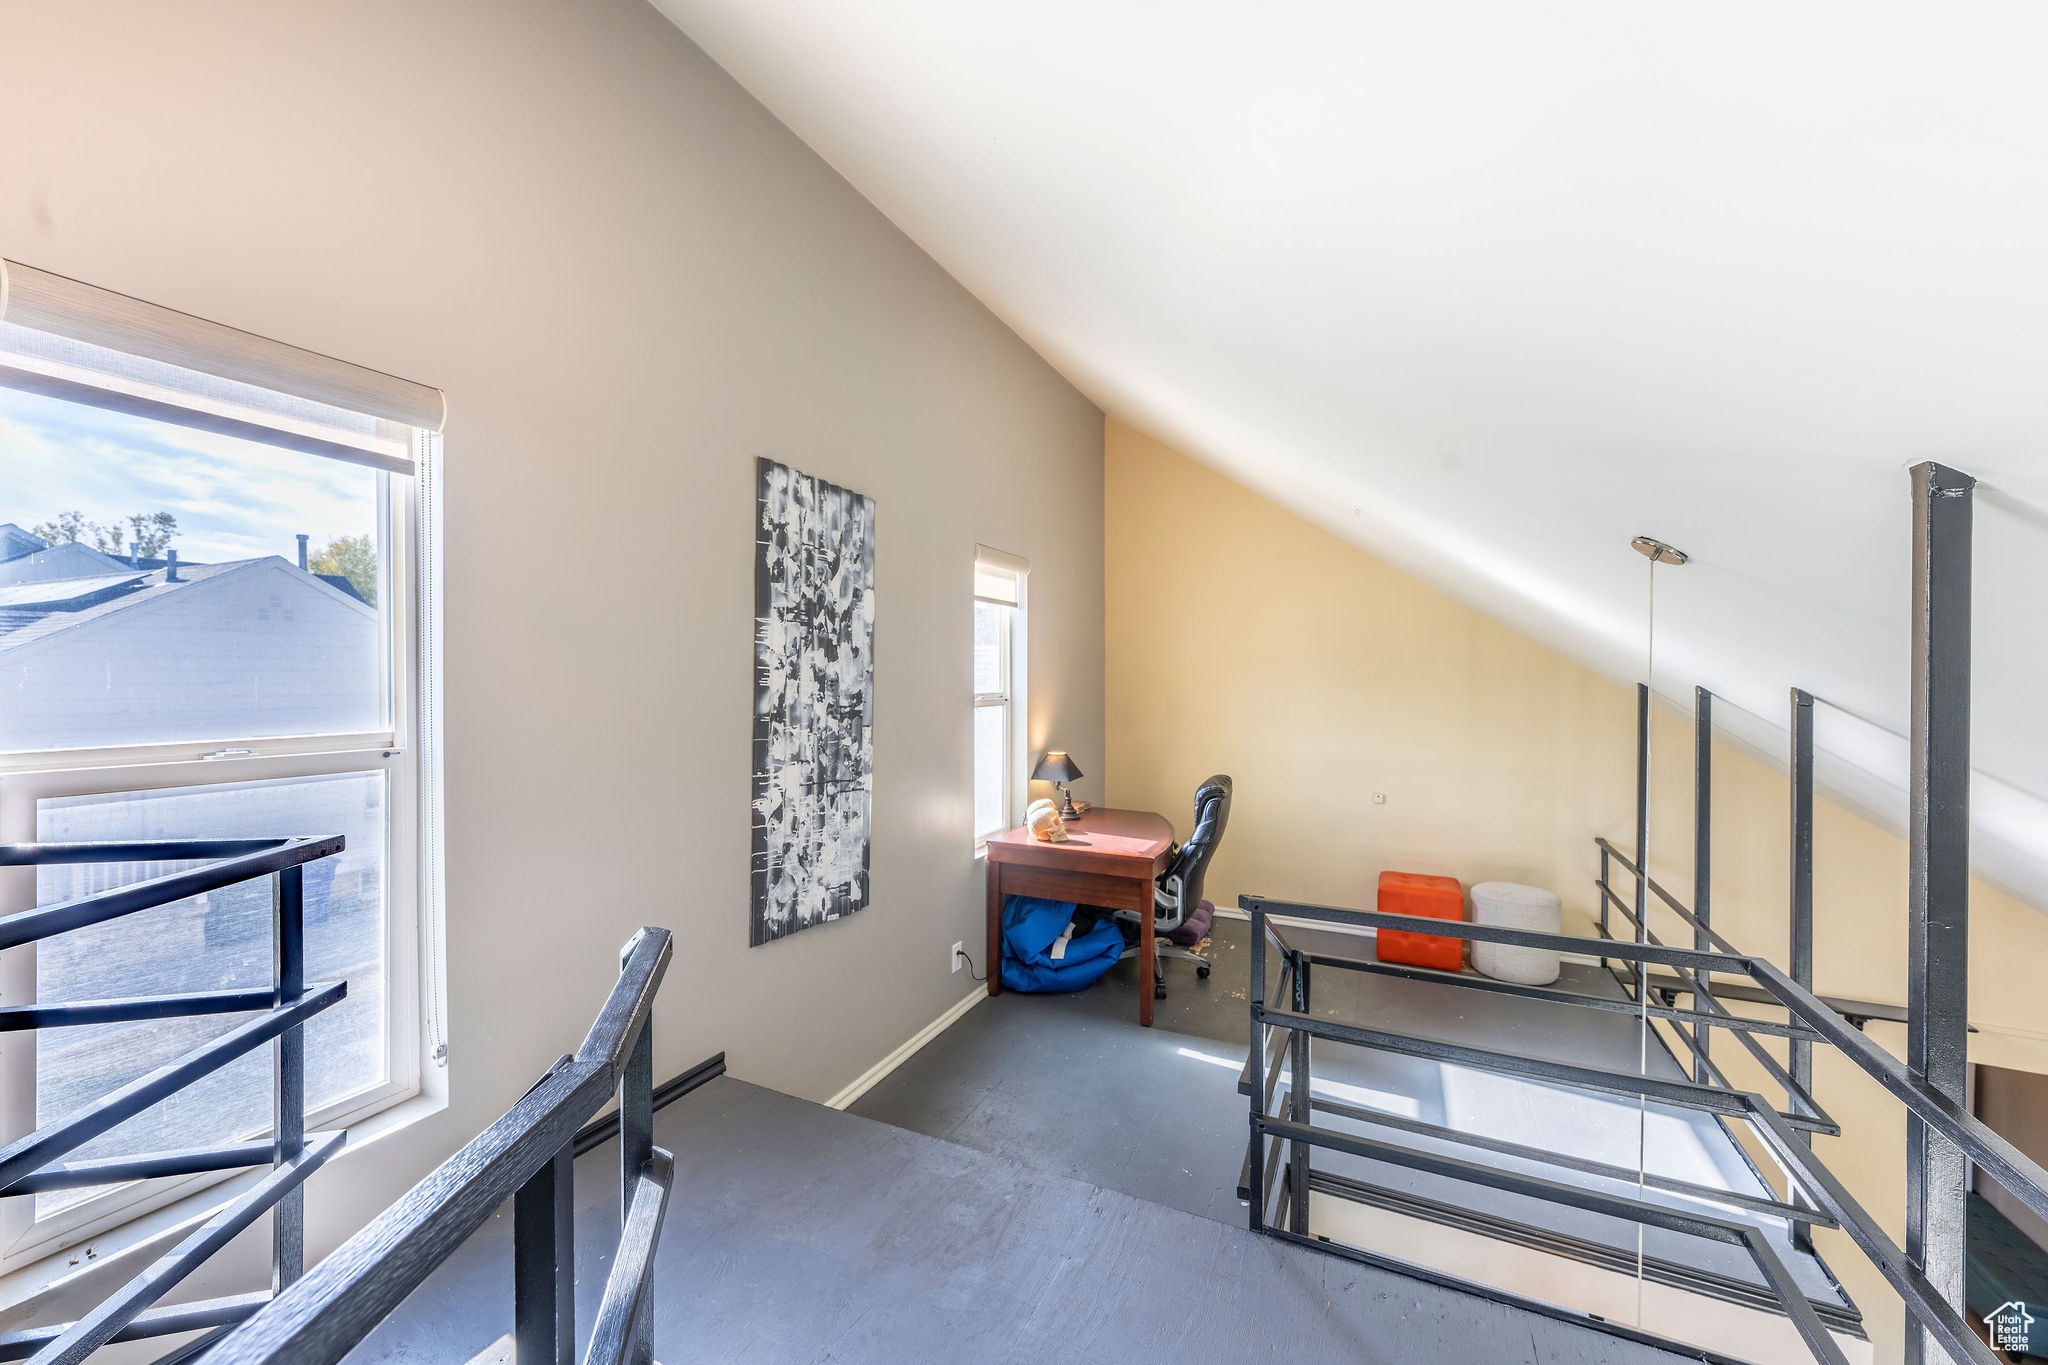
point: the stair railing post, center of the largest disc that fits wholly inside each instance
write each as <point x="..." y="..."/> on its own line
<point x="1799" y="1051"/>
<point x="288" y="985"/>
<point x="1702" y="860"/>
<point x="636" y="1147"/>
<point x="544" y="1263"/>
<point x="1257" y="1158"/>
<point x="1298" y="1107"/>
<point x="1938" y="889"/>
<point x="1606" y="930"/>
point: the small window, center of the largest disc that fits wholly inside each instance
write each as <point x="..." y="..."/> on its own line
<point x="998" y="609"/>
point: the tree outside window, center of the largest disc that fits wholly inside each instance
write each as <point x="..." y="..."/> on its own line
<point x="353" y="558"/>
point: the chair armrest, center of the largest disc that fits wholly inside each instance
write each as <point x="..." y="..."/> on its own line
<point x="1169" y="904"/>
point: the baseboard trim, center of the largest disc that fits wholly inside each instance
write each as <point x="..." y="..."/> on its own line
<point x="874" y="1075"/>
<point x="605" y="1127"/>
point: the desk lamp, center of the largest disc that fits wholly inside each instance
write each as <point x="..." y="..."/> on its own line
<point x="1059" y="770"/>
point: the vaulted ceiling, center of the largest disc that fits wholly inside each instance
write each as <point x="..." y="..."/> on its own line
<point x="1489" y="287"/>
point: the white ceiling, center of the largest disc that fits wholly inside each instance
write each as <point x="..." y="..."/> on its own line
<point x="1489" y="287"/>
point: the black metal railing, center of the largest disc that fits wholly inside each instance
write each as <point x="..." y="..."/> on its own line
<point x="524" y="1156"/>
<point x="1944" y="1139"/>
<point x="1820" y="1197"/>
<point x="1286" y="1030"/>
<point x="32" y="1164"/>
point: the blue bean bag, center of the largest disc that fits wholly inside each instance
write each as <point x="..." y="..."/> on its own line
<point x="1031" y="930"/>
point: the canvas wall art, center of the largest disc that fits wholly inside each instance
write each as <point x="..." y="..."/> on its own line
<point x="814" y="632"/>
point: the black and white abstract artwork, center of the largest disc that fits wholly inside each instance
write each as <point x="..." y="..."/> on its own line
<point x="814" y="673"/>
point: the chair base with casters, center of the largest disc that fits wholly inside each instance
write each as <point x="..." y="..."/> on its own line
<point x="1178" y="897"/>
<point x="1162" y="950"/>
<point x="1202" y="964"/>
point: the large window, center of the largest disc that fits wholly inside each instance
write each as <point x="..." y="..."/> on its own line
<point x="210" y="626"/>
<point x="998" y="679"/>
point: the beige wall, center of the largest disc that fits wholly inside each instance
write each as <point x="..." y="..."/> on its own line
<point x="631" y="281"/>
<point x="2013" y="1104"/>
<point x="1244" y="640"/>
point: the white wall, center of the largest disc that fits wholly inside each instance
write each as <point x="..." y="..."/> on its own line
<point x="631" y="281"/>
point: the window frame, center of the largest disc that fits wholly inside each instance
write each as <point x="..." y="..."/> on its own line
<point x="402" y="751"/>
<point x="1001" y="701"/>
<point x="1015" y="675"/>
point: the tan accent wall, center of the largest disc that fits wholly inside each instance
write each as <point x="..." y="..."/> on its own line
<point x="1244" y="640"/>
<point x="1241" y="639"/>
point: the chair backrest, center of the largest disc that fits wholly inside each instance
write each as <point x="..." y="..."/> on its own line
<point x="1191" y="861"/>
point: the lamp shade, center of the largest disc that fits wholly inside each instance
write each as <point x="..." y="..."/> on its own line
<point x="1055" y="767"/>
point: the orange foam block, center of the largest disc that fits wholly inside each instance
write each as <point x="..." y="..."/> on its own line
<point x="1411" y="893"/>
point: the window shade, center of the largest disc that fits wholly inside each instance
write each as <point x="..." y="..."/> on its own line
<point x="37" y="300"/>
<point x="999" y="577"/>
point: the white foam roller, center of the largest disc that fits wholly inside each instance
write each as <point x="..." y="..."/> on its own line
<point x="1510" y="905"/>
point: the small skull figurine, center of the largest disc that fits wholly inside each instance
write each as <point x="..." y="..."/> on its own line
<point x="1045" y="822"/>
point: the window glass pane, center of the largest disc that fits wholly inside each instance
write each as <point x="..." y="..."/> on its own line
<point x="991" y="622"/>
<point x="103" y="643"/>
<point x="991" y="736"/>
<point x="217" y="941"/>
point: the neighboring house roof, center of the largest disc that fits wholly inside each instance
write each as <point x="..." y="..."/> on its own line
<point x="70" y="560"/>
<point x="15" y="542"/>
<point x="65" y="594"/>
<point x="31" y="613"/>
<point x="340" y="583"/>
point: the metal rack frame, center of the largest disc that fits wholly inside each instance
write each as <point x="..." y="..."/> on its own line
<point x="1944" y="1139"/>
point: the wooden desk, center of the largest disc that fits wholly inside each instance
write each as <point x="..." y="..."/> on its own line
<point x="1111" y="858"/>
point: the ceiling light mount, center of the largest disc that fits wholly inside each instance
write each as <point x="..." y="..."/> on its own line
<point x="1649" y="547"/>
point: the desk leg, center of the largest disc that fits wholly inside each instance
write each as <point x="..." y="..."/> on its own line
<point x="994" y="960"/>
<point x="1147" y="955"/>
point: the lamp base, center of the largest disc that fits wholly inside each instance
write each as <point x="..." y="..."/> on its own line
<point x="1067" y="811"/>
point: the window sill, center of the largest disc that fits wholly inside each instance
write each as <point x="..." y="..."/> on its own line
<point x="68" y="1281"/>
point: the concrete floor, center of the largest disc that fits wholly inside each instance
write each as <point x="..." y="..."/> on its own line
<point x="797" y="1233"/>
<point x="1051" y="1183"/>
<point x="1069" y="1085"/>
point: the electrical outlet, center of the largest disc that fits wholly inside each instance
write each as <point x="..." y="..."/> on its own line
<point x="959" y="955"/>
<point x="1379" y="798"/>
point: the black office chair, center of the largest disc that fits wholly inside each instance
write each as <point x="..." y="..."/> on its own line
<point x="1180" y="887"/>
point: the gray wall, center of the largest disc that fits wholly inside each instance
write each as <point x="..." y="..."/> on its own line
<point x="630" y="280"/>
